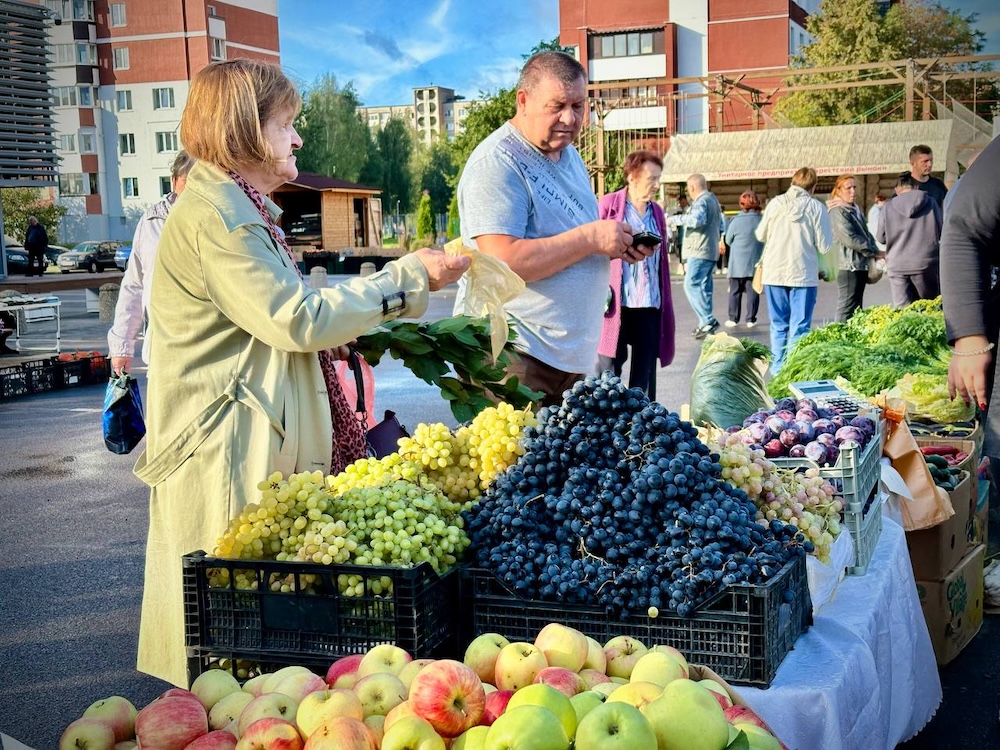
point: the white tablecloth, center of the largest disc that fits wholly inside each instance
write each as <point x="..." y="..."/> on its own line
<point x="864" y="675"/>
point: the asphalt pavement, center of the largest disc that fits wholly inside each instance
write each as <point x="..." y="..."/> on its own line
<point x="74" y="519"/>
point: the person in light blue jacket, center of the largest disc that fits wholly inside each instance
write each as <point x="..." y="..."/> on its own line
<point x="744" y="251"/>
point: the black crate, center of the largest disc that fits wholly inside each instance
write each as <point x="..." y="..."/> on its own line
<point x="96" y="369"/>
<point x="312" y="619"/>
<point x="70" y="373"/>
<point x="41" y="375"/>
<point x="742" y="633"/>
<point x="13" y="381"/>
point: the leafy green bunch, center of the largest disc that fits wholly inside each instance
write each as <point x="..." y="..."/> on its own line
<point x="454" y="355"/>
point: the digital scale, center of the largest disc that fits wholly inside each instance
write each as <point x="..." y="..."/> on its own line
<point x="827" y="393"/>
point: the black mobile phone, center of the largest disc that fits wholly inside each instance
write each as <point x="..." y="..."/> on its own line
<point x="647" y="239"/>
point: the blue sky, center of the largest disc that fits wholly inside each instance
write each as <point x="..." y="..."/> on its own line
<point x="387" y="47"/>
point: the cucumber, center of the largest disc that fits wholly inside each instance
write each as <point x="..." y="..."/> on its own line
<point x="939" y="461"/>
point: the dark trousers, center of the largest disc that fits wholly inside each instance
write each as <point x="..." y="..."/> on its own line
<point x="737" y="288"/>
<point x="36" y="263"/>
<point x="850" y="293"/>
<point x="640" y="329"/>
<point x="907" y="288"/>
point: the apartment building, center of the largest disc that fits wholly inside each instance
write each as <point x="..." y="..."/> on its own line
<point x="657" y="39"/>
<point x="120" y="78"/>
<point x="435" y="113"/>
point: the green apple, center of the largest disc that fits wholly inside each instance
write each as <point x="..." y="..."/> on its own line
<point x="471" y="739"/>
<point x="213" y="685"/>
<point x="622" y="652"/>
<point x="591" y="677"/>
<point x="385" y="657"/>
<point x="636" y="693"/>
<point x="546" y="697"/>
<point x="412" y="733"/>
<point x="615" y="726"/>
<point x="671" y="651"/>
<point x="482" y="653"/>
<point x="657" y="667"/>
<point x="119" y="714"/>
<point x="89" y="734"/>
<point x="606" y="688"/>
<point x="595" y="656"/>
<point x="563" y="646"/>
<point x="759" y="739"/>
<point x="517" y="665"/>
<point x="380" y="693"/>
<point x="687" y="717"/>
<point x="228" y="709"/>
<point x="528" y="728"/>
<point x="585" y="702"/>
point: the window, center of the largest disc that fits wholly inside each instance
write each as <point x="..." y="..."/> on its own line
<point x="117" y="14"/>
<point x="67" y="143"/>
<point x="63" y="54"/>
<point x="86" y="96"/>
<point x="86" y="54"/>
<point x="88" y="141"/>
<point x="163" y="98"/>
<point x="218" y="49"/>
<point x="57" y="7"/>
<point x="164" y="186"/>
<point x="630" y="44"/>
<point x="123" y="97"/>
<point x="130" y="187"/>
<point x="64" y="96"/>
<point x="121" y="58"/>
<point x="166" y="142"/>
<point x="126" y="143"/>
<point x="71" y="183"/>
<point x="83" y="10"/>
<point x="211" y="10"/>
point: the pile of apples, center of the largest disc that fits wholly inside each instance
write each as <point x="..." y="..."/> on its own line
<point x="564" y="690"/>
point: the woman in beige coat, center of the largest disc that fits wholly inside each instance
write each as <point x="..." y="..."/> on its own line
<point x="243" y="383"/>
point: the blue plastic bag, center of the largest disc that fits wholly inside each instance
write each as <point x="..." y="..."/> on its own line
<point x="124" y="426"/>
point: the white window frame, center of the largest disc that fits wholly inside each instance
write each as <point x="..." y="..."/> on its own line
<point x="130" y="187"/>
<point x="167" y="142"/>
<point x="165" y="186"/>
<point x="117" y="9"/>
<point x="120" y="59"/>
<point x="88" y="56"/>
<point x="218" y="48"/>
<point x="126" y="144"/>
<point x="86" y="96"/>
<point x="83" y="10"/>
<point x="158" y="96"/>
<point x="87" y="138"/>
<point x="67" y="143"/>
<point x="125" y="94"/>
<point x="64" y="96"/>
<point x="71" y="183"/>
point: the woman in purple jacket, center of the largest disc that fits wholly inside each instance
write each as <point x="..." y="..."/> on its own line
<point x="640" y="313"/>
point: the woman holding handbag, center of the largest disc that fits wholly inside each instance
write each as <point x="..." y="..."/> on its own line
<point x="640" y="311"/>
<point x="744" y="255"/>
<point x="853" y="243"/>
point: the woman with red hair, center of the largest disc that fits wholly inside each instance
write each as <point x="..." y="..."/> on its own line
<point x="744" y="250"/>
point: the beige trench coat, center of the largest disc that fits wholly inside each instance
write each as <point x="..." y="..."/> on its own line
<point x="235" y="386"/>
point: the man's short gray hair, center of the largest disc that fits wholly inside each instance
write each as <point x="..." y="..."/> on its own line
<point x="698" y="180"/>
<point x="182" y="165"/>
<point x="550" y="63"/>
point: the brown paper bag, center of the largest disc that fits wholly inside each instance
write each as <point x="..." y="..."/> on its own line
<point x="758" y="278"/>
<point x="931" y="504"/>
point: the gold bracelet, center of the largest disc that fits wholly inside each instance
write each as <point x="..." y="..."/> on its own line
<point x="974" y="352"/>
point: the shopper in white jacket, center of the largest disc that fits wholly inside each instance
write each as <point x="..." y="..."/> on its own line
<point x="795" y="229"/>
<point x="133" y="296"/>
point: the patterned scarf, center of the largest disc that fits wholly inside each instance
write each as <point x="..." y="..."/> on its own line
<point x="348" y="437"/>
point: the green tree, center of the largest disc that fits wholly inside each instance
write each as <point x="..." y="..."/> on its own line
<point x="454" y="226"/>
<point x="425" y="218"/>
<point x="334" y="138"/>
<point x="438" y="176"/>
<point x="388" y="165"/>
<point x="20" y="203"/>
<point x="853" y="32"/>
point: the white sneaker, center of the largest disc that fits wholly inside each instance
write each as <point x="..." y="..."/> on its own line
<point x="731" y="324"/>
<point x="751" y="324"/>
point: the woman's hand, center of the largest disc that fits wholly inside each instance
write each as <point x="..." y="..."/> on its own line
<point x="120" y="365"/>
<point x="967" y="374"/>
<point x="442" y="269"/>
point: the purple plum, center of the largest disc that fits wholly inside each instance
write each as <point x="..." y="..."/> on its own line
<point x="865" y="424"/>
<point x="759" y="433"/>
<point x="752" y="419"/>
<point x="806" y="432"/>
<point x="788" y="404"/>
<point x="838" y="421"/>
<point x="774" y="449"/>
<point x="817" y="452"/>
<point x="776" y="424"/>
<point x="825" y="438"/>
<point x="734" y="429"/>
<point x="806" y="415"/>
<point x="797" y="451"/>
<point x="789" y="437"/>
<point x="805" y="403"/>
<point x="824" y="425"/>
<point x="850" y="433"/>
<point x="832" y="454"/>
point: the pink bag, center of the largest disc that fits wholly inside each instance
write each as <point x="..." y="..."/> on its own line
<point x="350" y="380"/>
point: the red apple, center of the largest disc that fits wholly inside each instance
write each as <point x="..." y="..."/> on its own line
<point x="87" y="734"/>
<point x="298" y="686"/>
<point x="118" y="713"/>
<point x="343" y="673"/>
<point x="176" y="692"/>
<point x="171" y="723"/>
<point x="403" y="709"/>
<point x="563" y="646"/>
<point x="217" y="739"/>
<point x="565" y="681"/>
<point x="591" y="677"/>
<point x="718" y="691"/>
<point x="270" y="734"/>
<point x="496" y="704"/>
<point x="744" y="715"/>
<point x="481" y="655"/>
<point x="342" y="733"/>
<point x="267" y="706"/>
<point x="622" y="652"/>
<point x="449" y="695"/>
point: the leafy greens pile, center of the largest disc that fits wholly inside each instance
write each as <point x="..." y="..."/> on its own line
<point x="872" y="350"/>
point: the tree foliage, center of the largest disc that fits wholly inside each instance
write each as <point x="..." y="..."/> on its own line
<point x="438" y="174"/>
<point x="454" y="228"/>
<point x="853" y="31"/>
<point x="485" y="116"/>
<point x="425" y="218"/>
<point x="334" y="139"/>
<point x="388" y="165"/>
<point x="20" y="203"/>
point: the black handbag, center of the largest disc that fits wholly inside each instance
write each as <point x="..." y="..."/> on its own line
<point x="383" y="438"/>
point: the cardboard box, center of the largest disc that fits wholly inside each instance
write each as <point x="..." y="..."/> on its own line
<point x="966" y="445"/>
<point x="934" y="552"/>
<point x="953" y="608"/>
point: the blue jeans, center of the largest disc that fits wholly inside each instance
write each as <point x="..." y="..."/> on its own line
<point x="698" y="288"/>
<point x="791" y="310"/>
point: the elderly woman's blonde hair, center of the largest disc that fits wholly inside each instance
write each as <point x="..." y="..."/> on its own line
<point x="227" y="106"/>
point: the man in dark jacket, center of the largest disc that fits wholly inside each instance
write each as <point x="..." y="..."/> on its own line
<point x="36" y="242"/>
<point x="910" y="228"/>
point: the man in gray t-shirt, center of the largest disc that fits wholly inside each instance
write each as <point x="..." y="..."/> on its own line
<point x="525" y="197"/>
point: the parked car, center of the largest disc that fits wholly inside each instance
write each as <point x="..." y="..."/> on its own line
<point x="17" y="260"/>
<point x="92" y="255"/>
<point x="122" y="255"/>
<point x="54" y="252"/>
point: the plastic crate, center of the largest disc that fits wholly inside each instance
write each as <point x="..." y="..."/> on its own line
<point x="72" y="373"/>
<point x="13" y="381"/>
<point x="742" y="633"/>
<point x="312" y="619"/>
<point x="864" y="522"/>
<point x="41" y="375"/>
<point x="856" y="472"/>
